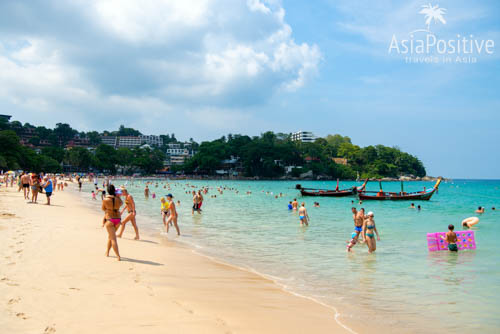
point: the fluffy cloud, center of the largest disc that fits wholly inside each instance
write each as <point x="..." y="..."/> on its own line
<point x="93" y="56"/>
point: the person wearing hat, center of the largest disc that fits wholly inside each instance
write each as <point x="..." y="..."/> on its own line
<point x="369" y="231"/>
<point x="172" y="218"/>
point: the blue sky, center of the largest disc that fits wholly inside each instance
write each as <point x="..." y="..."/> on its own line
<point x="205" y="68"/>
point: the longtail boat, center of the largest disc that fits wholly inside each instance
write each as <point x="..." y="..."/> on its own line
<point x="330" y="193"/>
<point x="381" y="195"/>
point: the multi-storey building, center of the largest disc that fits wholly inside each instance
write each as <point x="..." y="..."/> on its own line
<point x="109" y="140"/>
<point x="131" y="141"/>
<point x="303" y="136"/>
<point x="151" y="140"/>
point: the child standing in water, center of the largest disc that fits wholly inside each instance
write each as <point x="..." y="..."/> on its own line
<point x="451" y="238"/>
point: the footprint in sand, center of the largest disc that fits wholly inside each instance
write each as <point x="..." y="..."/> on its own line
<point x="223" y="324"/>
<point x="21" y="315"/>
<point x="49" y="329"/>
<point x="74" y="289"/>
<point x="14" y="300"/>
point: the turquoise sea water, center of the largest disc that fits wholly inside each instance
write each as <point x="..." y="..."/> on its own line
<point x="400" y="288"/>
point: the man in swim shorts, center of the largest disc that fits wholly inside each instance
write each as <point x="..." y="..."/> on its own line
<point x="295" y="204"/>
<point x="196" y="203"/>
<point x="451" y="238"/>
<point x="25" y="181"/>
<point x="358" y="217"/>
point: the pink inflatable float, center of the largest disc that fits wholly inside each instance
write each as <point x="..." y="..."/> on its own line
<point x="465" y="240"/>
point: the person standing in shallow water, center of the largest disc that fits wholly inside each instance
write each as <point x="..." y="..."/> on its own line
<point x="111" y="207"/>
<point x="146" y="192"/>
<point x="451" y="239"/>
<point x="369" y="231"/>
<point x="172" y="218"/>
<point x="303" y="215"/>
<point x="358" y="217"/>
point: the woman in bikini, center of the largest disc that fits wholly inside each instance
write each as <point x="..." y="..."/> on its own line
<point x="130" y="206"/>
<point x="111" y="207"/>
<point x="369" y="231"/>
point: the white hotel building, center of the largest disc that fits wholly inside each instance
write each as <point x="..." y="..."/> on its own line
<point x="303" y="136"/>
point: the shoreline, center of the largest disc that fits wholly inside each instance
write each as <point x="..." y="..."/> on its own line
<point x="300" y="313"/>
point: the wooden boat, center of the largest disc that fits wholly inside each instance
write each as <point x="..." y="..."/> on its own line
<point x="330" y="193"/>
<point x="381" y="195"/>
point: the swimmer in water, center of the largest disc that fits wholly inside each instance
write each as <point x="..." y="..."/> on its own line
<point x="412" y="206"/>
<point x="303" y="215"/>
<point x="469" y="222"/>
<point x="480" y="210"/>
<point x="295" y="204"/>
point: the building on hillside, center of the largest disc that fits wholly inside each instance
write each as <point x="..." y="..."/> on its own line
<point x="129" y="141"/>
<point x="5" y="117"/>
<point x="178" y="159"/>
<point x="340" y="161"/>
<point x="151" y="140"/>
<point x="312" y="159"/>
<point x="174" y="145"/>
<point x="177" y="151"/>
<point x="303" y="136"/>
<point x="78" y="142"/>
<point x="109" y="140"/>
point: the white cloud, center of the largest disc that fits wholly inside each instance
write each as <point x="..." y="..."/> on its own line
<point x="205" y="63"/>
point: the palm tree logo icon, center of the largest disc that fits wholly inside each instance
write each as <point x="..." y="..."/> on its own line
<point x="433" y="13"/>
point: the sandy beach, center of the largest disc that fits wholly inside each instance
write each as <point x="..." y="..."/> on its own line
<point x="54" y="277"/>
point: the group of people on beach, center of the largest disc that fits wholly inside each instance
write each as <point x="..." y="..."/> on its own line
<point x="113" y="212"/>
<point x="33" y="184"/>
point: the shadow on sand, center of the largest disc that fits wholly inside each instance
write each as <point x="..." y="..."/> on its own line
<point x="126" y="259"/>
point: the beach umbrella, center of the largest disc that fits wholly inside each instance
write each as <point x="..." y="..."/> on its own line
<point x="11" y="172"/>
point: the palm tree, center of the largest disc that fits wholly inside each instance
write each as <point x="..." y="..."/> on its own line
<point x="433" y="13"/>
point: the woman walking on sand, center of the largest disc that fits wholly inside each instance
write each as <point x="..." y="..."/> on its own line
<point x="369" y="231"/>
<point x="111" y="207"/>
<point x="130" y="206"/>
